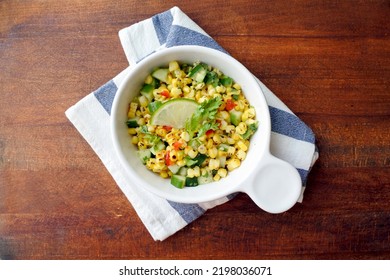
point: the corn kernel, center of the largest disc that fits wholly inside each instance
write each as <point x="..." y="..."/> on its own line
<point x="241" y="128"/>
<point x="216" y="177"/>
<point x="202" y="138"/>
<point x="242" y="146"/>
<point x="213" y="164"/>
<point x="241" y="154"/>
<point x="210" y="144"/>
<point x="185" y="136"/>
<point x="132" y="131"/>
<point x="236" y="137"/>
<point x="173" y="65"/>
<point x="176" y="92"/>
<point x="225" y="115"/>
<point x="245" y="116"/>
<point x="190" y="173"/>
<point x="132" y="109"/>
<point x="240" y="105"/>
<point x="169" y="78"/>
<point x="202" y="149"/>
<point x="178" y="73"/>
<point x="141" y="145"/>
<point x="160" y="155"/>
<point x="187" y="81"/>
<point x="213" y="152"/>
<point x="192" y="153"/>
<point x="231" y="150"/>
<point x="237" y="86"/>
<point x="173" y="155"/>
<point x="180" y="154"/>
<point x="230" y="141"/>
<point x="223" y="124"/>
<point x="220" y="89"/>
<point x="217" y="139"/>
<point x="222" y="153"/>
<point x="196" y="171"/>
<point x="143" y="101"/>
<point x="134" y="140"/>
<point x="202" y="99"/>
<point x="229" y="128"/>
<point x="222" y="172"/>
<point x="199" y="86"/>
<point x="233" y="163"/>
<point x="223" y="138"/>
<point x="164" y="174"/>
<point x="149" y="79"/>
<point x="250" y="121"/>
<point x="211" y="90"/>
<point x="223" y="106"/>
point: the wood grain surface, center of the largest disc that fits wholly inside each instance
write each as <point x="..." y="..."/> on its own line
<point x="329" y="61"/>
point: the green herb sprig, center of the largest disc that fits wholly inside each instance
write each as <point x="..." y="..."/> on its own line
<point x="203" y="119"/>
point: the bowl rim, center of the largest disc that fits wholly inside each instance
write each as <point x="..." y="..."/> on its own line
<point x="191" y="195"/>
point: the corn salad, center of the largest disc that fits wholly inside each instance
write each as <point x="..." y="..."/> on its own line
<point x="212" y="142"/>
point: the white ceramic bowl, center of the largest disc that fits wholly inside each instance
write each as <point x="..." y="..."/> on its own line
<point x="273" y="185"/>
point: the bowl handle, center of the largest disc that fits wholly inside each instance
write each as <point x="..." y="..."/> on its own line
<point x="276" y="185"/>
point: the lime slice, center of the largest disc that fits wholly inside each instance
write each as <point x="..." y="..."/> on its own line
<point x="174" y="112"/>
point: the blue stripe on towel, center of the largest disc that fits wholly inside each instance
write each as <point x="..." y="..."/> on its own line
<point x="162" y="24"/>
<point x="180" y="35"/>
<point x="290" y="125"/>
<point x="303" y="173"/>
<point x="189" y="212"/>
<point x="105" y="95"/>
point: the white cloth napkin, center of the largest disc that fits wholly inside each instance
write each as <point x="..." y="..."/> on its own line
<point x="291" y="139"/>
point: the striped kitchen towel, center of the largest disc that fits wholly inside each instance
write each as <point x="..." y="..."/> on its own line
<point x="291" y="139"/>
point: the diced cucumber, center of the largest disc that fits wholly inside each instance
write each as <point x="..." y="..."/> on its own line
<point x="174" y="168"/>
<point x="200" y="158"/>
<point x="189" y="161"/>
<point x="144" y="155"/>
<point x="235" y="117"/>
<point x="196" y="161"/>
<point x="198" y="73"/>
<point x="161" y="74"/>
<point x="183" y="171"/>
<point x="132" y="122"/>
<point x="147" y="91"/>
<point x="178" y="181"/>
<point x="191" y="182"/>
<point x="211" y="79"/>
<point x="153" y="106"/>
<point x="222" y="161"/>
<point x="155" y="83"/>
<point x="205" y="179"/>
<point x="227" y="81"/>
<point x="157" y="147"/>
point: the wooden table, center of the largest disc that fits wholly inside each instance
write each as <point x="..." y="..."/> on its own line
<point x="328" y="61"/>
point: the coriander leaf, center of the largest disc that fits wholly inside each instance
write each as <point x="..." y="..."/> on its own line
<point x="207" y="126"/>
<point x="152" y="139"/>
<point x="203" y="116"/>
